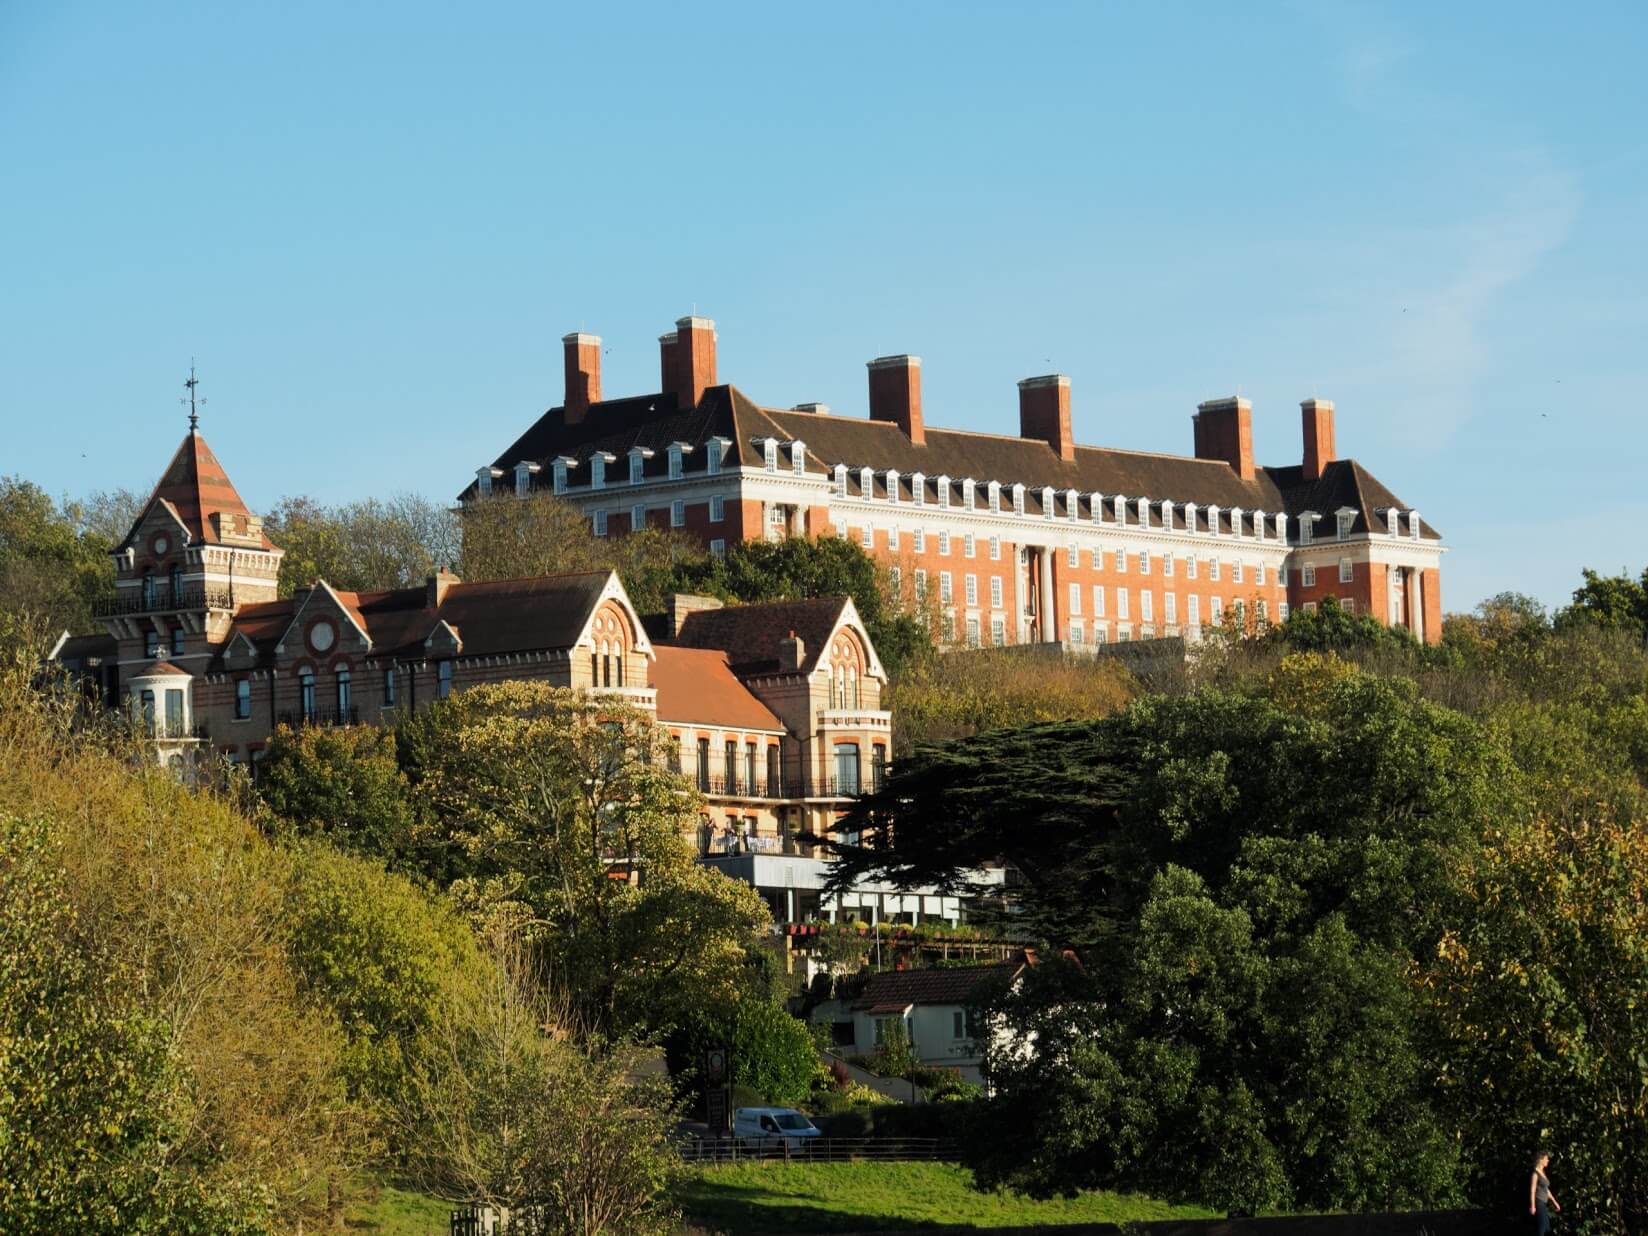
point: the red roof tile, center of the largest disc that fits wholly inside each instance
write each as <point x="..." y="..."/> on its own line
<point x="696" y="686"/>
<point x="196" y="487"/>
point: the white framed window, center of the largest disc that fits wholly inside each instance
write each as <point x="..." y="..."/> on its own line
<point x="1346" y="572"/>
<point x="948" y="625"/>
<point x="675" y="461"/>
<point x="1072" y="557"/>
<point x="1098" y="600"/>
<point x="637" y="462"/>
<point x="1167" y="565"/>
<point x="998" y="631"/>
<point x="1240" y="606"/>
<point x="943" y="487"/>
<point x="866" y="484"/>
<point x="944" y="593"/>
<point x="841" y="532"/>
<point x="867" y="537"/>
<point x="560" y="481"/>
<point x="892" y="485"/>
<point x="1049" y="504"/>
<point x="841" y="480"/>
<point x="972" y="632"/>
<point x="718" y="508"/>
<point x="969" y="546"/>
<point x="1147" y="605"/>
<point x="600" y="522"/>
<point x="598" y="469"/>
<point x="1414" y="525"/>
<point x="1121" y="603"/>
<point x="896" y="575"/>
<point x="637" y="517"/>
<point x="971" y="589"/>
<point x="1018" y="499"/>
<point x="1170" y="608"/>
<point x="1076" y="632"/>
<point x="1309" y="607"/>
<point x="1121" y="561"/>
<point x="1281" y="611"/>
<point x="1261" y="609"/>
<point x="919" y="537"/>
<point x="1213" y="568"/>
<point x="921" y="585"/>
<point x="1307" y="528"/>
<point x="1259" y="574"/>
<point x="1236" y="571"/>
<point x="678" y="514"/>
<point x="918" y="489"/>
<point x="969" y="493"/>
<point x="994" y="495"/>
<point x="798" y="458"/>
<point x="769" y="453"/>
<point x="1194" y="605"/>
<point x="1216" y="610"/>
<point x="1190" y="565"/>
<point x="995" y="591"/>
<point x="892" y="538"/>
<point x="995" y="549"/>
<point x="712" y="454"/>
<point x="944" y="545"/>
<point x="1075" y="598"/>
<point x="1307" y="576"/>
<point x="1346" y="519"/>
<point x="1144" y="562"/>
<point x="1098" y="633"/>
<point x="718" y="548"/>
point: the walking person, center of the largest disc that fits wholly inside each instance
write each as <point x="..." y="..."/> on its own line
<point x="1541" y="1201"/>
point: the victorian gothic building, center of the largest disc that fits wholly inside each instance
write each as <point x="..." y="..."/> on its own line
<point x="1032" y="538"/>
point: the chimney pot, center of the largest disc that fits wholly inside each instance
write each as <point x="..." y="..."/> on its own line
<point x="583" y="374"/>
<point x="895" y="394"/>
<point x="1317" y="417"/>
<point x="1224" y="430"/>
<point x="792" y="652"/>
<point x="1044" y="412"/>
<point x="816" y="409"/>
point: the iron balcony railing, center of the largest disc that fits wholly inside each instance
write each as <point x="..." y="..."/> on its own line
<point x="743" y="787"/>
<point x="321" y="716"/>
<point x="163" y="598"/>
<point x="791" y="786"/>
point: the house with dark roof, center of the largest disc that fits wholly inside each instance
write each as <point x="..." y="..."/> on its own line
<point x="1010" y="538"/>
<point x="938" y="1010"/>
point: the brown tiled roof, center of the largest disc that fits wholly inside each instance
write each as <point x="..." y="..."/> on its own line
<point x="1344" y="483"/>
<point x="492" y="618"/>
<point x="196" y="487"/>
<point x="655" y="421"/>
<point x="898" y="990"/>
<point x="696" y="686"/>
<point x="750" y="634"/>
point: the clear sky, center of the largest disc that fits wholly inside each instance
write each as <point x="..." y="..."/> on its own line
<point x="371" y="224"/>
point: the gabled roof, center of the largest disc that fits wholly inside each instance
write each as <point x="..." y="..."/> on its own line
<point x="196" y="487"/>
<point x="655" y="421"/>
<point x="1344" y="483"/>
<point x="894" y="992"/>
<point x="696" y="686"/>
<point x="750" y="634"/>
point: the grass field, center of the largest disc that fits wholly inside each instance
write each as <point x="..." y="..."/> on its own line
<point x="755" y="1199"/>
<point x="395" y="1212"/>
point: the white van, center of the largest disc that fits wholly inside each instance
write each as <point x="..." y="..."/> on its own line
<point x="772" y="1123"/>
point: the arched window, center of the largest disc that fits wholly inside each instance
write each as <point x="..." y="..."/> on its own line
<point x="344" y="696"/>
<point x="306" y="695"/>
<point x="243" y="699"/>
<point x="443" y="679"/>
<point x="846" y="768"/>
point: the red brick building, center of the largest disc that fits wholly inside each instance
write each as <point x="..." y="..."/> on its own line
<point x="1010" y="539"/>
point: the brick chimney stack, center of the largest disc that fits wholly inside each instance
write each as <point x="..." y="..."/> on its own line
<point x="792" y="652"/>
<point x="583" y="374"/>
<point x="1044" y="412"/>
<point x="1224" y="430"/>
<point x="666" y="361"/>
<point x="693" y="363"/>
<point x="435" y="587"/>
<point x="1317" y="415"/>
<point x="895" y="394"/>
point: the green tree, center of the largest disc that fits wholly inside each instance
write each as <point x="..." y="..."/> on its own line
<point x="51" y="567"/>
<point x="344" y="784"/>
<point x="772" y="1052"/>
<point x="1611" y="601"/>
<point x="366" y="545"/>
<point x="549" y="808"/>
<point x="92" y="1101"/>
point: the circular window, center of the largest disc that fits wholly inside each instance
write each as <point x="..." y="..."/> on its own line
<point x="161" y="544"/>
<point x="321" y="636"/>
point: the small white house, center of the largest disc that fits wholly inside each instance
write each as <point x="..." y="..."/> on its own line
<point x="937" y="1008"/>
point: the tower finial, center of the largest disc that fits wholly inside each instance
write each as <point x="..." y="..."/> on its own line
<point x="194" y="404"/>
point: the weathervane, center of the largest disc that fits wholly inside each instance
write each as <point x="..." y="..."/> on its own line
<point x="194" y="404"/>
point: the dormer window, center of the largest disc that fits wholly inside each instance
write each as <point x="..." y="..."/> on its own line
<point x="1018" y="498"/>
<point x="841" y="480"/>
<point x="1144" y="512"/>
<point x="892" y="484"/>
<point x="484" y="478"/>
<point x="1190" y="518"/>
<point x="677" y="450"/>
<point x="1213" y="519"/>
<point x="1259" y="524"/>
<point x="1049" y="502"/>
<point x="1095" y="503"/>
<point x="524" y="472"/>
<point x="866" y="484"/>
<point x="598" y="469"/>
<point x="1413" y="524"/>
<point x="1167" y="514"/>
<point x="918" y="488"/>
<point x="1346" y="518"/>
<point x="943" y="486"/>
<point x="638" y="456"/>
<point x="714" y="452"/>
<point x="561" y="466"/>
<point x="1072" y="504"/>
<point x="969" y="492"/>
<point x="1393" y="521"/>
<point x="1120" y="505"/>
<point x="994" y="495"/>
<point x="798" y="457"/>
<point x="1236" y="522"/>
<point x="1307" y="526"/>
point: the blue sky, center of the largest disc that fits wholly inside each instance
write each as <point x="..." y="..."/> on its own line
<point x="371" y="224"/>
